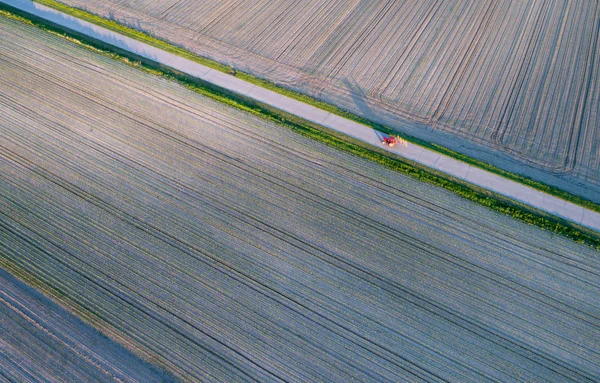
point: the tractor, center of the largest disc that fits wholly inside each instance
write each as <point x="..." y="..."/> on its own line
<point x="390" y="141"/>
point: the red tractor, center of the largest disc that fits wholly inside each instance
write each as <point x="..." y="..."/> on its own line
<point x="390" y="141"/>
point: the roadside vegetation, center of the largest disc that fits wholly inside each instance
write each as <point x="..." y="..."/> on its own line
<point x="470" y="192"/>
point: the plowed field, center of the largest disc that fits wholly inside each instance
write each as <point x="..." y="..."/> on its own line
<point x="41" y="342"/>
<point x="514" y="83"/>
<point x="227" y="248"/>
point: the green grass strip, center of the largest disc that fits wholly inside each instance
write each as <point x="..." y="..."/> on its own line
<point x="153" y="41"/>
<point x="332" y="138"/>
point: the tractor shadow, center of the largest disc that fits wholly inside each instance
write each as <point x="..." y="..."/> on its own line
<point x="358" y="97"/>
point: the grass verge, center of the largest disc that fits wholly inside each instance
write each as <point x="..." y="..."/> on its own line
<point x="144" y="37"/>
<point x="332" y="138"/>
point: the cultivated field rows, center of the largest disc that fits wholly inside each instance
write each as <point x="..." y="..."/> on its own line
<point x="41" y="342"/>
<point x="509" y="82"/>
<point x="226" y="248"/>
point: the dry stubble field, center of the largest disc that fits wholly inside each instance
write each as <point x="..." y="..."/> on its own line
<point x="226" y="248"/>
<point x="514" y="83"/>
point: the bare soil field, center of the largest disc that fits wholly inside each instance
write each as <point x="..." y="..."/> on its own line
<point x="41" y="342"/>
<point x="513" y="83"/>
<point x="222" y="247"/>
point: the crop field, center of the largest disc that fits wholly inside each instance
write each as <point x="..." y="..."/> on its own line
<point x="513" y="83"/>
<point x="223" y="247"/>
<point x="41" y="342"/>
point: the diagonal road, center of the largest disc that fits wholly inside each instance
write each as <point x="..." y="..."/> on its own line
<point x="440" y="162"/>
